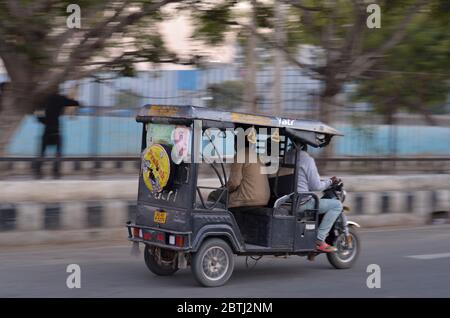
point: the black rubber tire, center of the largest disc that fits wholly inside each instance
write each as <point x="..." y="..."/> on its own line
<point x="197" y="258"/>
<point x="154" y="267"/>
<point x="337" y="262"/>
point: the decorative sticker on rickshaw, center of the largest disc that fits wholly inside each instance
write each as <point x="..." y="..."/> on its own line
<point x="161" y="110"/>
<point x="180" y="139"/>
<point x="159" y="133"/>
<point x="252" y="135"/>
<point x="275" y="137"/>
<point x="250" y="119"/>
<point x="156" y="167"/>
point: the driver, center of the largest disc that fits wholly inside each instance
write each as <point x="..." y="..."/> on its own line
<point x="308" y="181"/>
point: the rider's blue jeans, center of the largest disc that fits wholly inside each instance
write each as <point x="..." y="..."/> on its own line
<point x="331" y="208"/>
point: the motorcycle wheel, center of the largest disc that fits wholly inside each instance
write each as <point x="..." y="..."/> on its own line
<point x="346" y="255"/>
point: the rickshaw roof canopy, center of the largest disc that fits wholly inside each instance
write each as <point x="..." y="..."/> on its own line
<point x="150" y="112"/>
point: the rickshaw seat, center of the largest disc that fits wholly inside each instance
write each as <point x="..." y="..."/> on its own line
<point x="258" y="222"/>
<point x="280" y="186"/>
<point x="254" y="223"/>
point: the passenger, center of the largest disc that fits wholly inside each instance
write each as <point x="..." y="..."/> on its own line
<point x="309" y="180"/>
<point x="247" y="186"/>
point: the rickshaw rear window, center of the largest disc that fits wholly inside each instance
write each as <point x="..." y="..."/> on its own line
<point x="177" y="136"/>
<point x="159" y="133"/>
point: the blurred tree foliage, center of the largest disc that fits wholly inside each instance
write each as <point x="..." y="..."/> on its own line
<point x="345" y="50"/>
<point x="39" y="51"/>
<point x="127" y="98"/>
<point x="415" y="77"/>
<point x="226" y="95"/>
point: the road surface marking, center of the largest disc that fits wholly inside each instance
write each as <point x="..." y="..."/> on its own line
<point x="430" y="256"/>
<point x="406" y="228"/>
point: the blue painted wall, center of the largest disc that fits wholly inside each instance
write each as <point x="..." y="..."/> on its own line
<point x="116" y="136"/>
<point x="121" y="136"/>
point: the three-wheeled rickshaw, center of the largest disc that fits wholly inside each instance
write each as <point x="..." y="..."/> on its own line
<point x="180" y="225"/>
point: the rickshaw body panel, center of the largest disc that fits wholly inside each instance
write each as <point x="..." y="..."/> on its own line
<point x="221" y="223"/>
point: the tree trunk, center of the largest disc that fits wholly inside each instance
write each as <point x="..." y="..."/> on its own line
<point x="13" y="108"/>
<point x="327" y="109"/>
<point x="250" y="100"/>
<point x="280" y="40"/>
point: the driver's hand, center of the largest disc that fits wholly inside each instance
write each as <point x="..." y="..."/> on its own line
<point x="335" y="180"/>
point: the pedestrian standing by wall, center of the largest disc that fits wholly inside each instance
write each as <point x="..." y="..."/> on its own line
<point x="53" y="107"/>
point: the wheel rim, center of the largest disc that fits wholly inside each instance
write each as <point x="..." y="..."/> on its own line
<point x="346" y="253"/>
<point x="163" y="258"/>
<point x="215" y="263"/>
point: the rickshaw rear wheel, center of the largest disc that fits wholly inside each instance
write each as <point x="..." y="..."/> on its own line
<point x="167" y="261"/>
<point x="346" y="255"/>
<point x="213" y="263"/>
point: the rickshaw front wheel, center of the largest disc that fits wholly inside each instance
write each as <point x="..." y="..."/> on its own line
<point x="159" y="261"/>
<point x="213" y="263"/>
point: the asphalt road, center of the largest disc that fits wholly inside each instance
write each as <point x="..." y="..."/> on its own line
<point x="414" y="262"/>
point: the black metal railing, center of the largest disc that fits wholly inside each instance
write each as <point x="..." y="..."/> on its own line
<point x="10" y="166"/>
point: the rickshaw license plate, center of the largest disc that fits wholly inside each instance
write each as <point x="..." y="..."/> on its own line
<point x="160" y="217"/>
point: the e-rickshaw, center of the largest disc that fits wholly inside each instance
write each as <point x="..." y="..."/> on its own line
<point x="180" y="225"/>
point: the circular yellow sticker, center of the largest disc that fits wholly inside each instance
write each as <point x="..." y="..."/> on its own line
<point x="156" y="167"/>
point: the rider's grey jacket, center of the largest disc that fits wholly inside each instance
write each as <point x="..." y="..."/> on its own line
<point x="308" y="176"/>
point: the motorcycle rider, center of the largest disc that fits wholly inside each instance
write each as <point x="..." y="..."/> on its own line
<point x="308" y="181"/>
